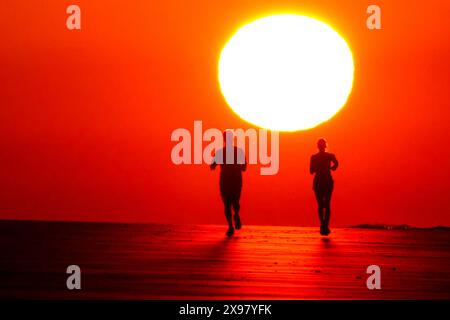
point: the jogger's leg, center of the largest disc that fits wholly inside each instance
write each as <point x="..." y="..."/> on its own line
<point x="237" y="218"/>
<point x="228" y="213"/>
<point x="327" y="205"/>
<point x="320" y="205"/>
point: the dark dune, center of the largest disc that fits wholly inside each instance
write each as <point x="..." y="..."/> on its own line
<point x="397" y="227"/>
<point x="382" y="226"/>
<point x="132" y="261"/>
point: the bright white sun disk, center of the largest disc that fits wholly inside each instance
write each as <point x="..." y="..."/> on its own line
<point x="286" y="72"/>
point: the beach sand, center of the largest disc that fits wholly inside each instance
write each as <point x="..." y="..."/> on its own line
<point x="149" y="261"/>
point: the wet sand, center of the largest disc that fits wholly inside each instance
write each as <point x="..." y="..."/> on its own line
<point x="133" y="261"/>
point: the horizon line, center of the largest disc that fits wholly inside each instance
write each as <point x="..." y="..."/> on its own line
<point x="369" y="226"/>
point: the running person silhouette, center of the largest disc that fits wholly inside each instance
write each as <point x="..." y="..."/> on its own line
<point x="232" y="163"/>
<point x="320" y="165"/>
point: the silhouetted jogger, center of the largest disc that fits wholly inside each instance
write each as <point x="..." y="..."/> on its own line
<point x="230" y="179"/>
<point x="321" y="164"/>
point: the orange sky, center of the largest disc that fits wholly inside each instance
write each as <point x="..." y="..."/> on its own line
<point x="86" y="116"/>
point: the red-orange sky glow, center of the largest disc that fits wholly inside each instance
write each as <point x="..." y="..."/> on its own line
<point x="86" y="116"/>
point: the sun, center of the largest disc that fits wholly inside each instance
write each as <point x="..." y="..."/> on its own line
<point x="286" y="72"/>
